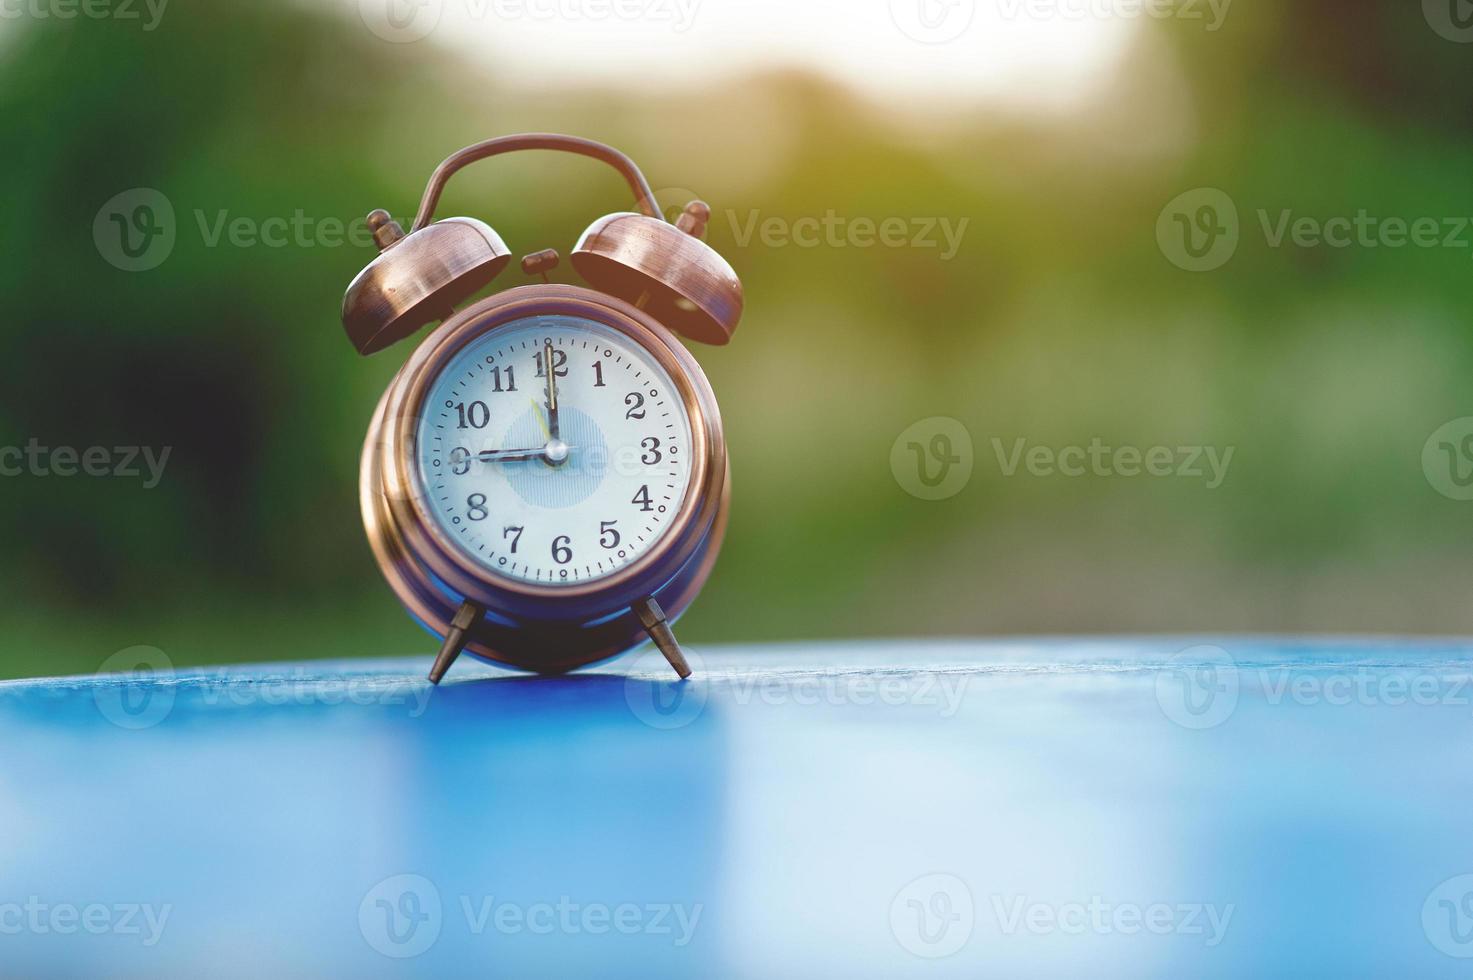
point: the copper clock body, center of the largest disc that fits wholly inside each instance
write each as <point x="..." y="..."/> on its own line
<point x="526" y="625"/>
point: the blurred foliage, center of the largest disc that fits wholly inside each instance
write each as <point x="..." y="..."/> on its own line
<point x="1059" y="321"/>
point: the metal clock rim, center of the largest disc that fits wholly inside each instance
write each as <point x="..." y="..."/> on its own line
<point x="447" y="559"/>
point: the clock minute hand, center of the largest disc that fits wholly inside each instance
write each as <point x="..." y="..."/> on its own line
<point x="551" y="369"/>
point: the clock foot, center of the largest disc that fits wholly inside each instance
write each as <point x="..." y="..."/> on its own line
<point x="455" y="639"/>
<point x="652" y="618"/>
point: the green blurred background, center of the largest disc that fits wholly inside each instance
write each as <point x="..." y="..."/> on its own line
<point x="1059" y="320"/>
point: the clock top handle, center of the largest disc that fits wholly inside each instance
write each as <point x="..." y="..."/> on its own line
<point x="643" y="195"/>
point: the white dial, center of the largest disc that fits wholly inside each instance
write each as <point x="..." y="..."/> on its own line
<point x="554" y="480"/>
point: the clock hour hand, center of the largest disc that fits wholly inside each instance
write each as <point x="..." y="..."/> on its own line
<point x="551" y="368"/>
<point x="553" y="452"/>
<point x="510" y="455"/>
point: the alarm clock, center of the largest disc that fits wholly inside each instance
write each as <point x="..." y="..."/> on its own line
<point x="545" y="481"/>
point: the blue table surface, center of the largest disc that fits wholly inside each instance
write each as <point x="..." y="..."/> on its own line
<point x="1219" y="807"/>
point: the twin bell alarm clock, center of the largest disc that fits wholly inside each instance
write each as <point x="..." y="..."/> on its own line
<point x="545" y="481"/>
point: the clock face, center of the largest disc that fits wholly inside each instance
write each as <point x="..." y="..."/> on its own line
<point x="557" y="480"/>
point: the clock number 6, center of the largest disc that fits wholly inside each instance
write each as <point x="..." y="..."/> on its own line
<point x="561" y="553"/>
